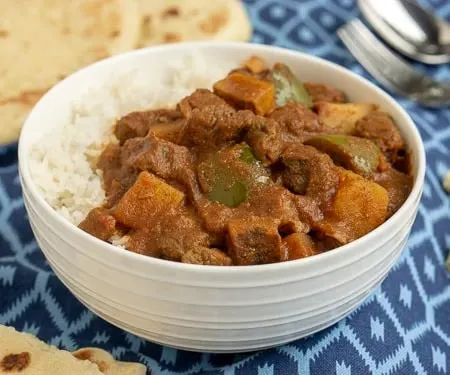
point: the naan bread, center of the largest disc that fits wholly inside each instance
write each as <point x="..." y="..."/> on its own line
<point x="107" y="364"/>
<point x="24" y="354"/>
<point x="180" y="20"/>
<point x="42" y="41"/>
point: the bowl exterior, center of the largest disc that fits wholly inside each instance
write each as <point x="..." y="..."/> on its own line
<point x="212" y="309"/>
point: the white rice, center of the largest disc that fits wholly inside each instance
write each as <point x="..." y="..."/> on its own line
<point x="60" y="164"/>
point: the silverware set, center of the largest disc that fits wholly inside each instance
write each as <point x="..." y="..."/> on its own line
<point x="412" y="31"/>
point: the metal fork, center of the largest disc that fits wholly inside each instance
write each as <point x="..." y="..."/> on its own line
<point x="391" y="70"/>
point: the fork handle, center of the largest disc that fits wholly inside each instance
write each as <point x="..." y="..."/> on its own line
<point x="436" y="95"/>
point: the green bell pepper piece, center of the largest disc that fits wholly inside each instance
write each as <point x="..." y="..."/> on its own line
<point x="288" y="88"/>
<point x="359" y="155"/>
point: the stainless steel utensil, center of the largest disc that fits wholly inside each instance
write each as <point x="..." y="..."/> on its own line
<point x="391" y="70"/>
<point x="409" y="28"/>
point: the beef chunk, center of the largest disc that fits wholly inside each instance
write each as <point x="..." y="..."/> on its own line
<point x="137" y="124"/>
<point x="254" y="241"/>
<point x="142" y="241"/>
<point x="398" y="186"/>
<point x="321" y="92"/>
<point x="201" y="126"/>
<point x="294" y="120"/>
<point x="235" y="126"/>
<point x="310" y="171"/>
<point x="213" y="126"/>
<point x="100" y="223"/>
<point x="214" y="216"/>
<point x="180" y="232"/>
<point x="295" y="176"/>
<point x="309" y="210"/>
<point x="297" y="246"/>
<point x="200" y="98"/>
<point x="380" y="128"/>
<point x="161" y="157"/>
<point x="165" y="159"/>
<point x="272" y="201"/>
<point x="265" y="140"/>
<point x="170" y="236"/>
<point x="206" y="256"/>
<point x="110" y="163"/>
<point x="114" y="194"/>
<point x="117" y="178"/>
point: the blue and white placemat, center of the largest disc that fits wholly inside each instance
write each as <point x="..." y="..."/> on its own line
<point x="403" y="328"/>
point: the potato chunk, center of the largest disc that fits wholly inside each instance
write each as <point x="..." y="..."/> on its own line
<point x="146" y="200"/>
<point x="297" y="246"/>
<point x="246" y="92"/>
<point x="359" y="206"/>
<point x="341" y="118"/>
<point x="169" y="132"/>
<point x="255" y="64"/>
<point x="254" y="241"/>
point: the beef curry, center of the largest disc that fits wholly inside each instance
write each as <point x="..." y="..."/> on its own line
<point x="264" y="168"/>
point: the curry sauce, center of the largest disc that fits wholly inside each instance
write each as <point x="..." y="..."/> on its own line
<point x="262" y="169"/>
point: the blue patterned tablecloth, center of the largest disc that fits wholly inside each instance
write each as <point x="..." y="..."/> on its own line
<point x="403" y="328"/>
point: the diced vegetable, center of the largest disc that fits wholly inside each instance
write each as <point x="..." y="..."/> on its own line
<point x="255" y="64"/>
<point x="231" y="196"/>
<point x="297" y="246"/>
<point x="169" y="132"/>
<point x="288" y="88"/>
<point x="247" y="155"/>
<point x="227" y="176"/>
<point x="222" y="184"/>
<point x="246" y="92"/>
<point x="359" y="206"/>
<point x="341" y="118"/>
<point x="146" y="200"/>
<point x="254" y="241"/>
<point x="357" y="154"/>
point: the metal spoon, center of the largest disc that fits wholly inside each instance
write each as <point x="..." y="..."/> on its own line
<point x="410" y="29"/>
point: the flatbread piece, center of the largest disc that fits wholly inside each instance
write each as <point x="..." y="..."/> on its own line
<point x="24" y="354"/>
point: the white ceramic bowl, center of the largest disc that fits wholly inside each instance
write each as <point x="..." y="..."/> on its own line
<point x="216" y="309"/>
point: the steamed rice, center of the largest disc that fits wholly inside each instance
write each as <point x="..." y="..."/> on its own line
<point x="61" y="164"/>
